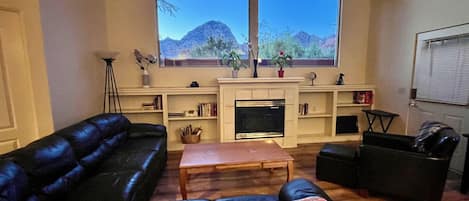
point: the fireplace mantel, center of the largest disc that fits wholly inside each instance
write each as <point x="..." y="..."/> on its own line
<point x="265" y="88"/>
<point x="260" y="80"/>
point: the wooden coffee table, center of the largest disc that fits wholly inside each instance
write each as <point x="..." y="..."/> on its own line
<point x="205" y="158"/>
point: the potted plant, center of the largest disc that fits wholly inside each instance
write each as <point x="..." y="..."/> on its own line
<point x="233" y="60"/>
<point x="282" y="60"/>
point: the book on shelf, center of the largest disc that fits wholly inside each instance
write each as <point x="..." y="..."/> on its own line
<point x="363" y="97"/>
<point x="176" y="114"/>
<point x="303" y="109"/>
<point x="207" y="109"/>
<point x="158" y="102"/>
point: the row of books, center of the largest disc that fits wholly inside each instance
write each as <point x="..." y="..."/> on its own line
<point x="363" y="97"/>
<point x="303" y="109"/>
<point x="207" y="109"/>
<point x="157" y="104"/>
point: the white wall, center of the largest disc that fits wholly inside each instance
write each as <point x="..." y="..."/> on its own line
<point x="73" y="30"/>
<point x="393" y="28"/>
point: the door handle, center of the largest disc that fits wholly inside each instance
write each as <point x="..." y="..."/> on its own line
<point x="413" y="103"/>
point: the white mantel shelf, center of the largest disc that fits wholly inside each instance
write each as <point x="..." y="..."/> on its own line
<point x="260" y="80"/>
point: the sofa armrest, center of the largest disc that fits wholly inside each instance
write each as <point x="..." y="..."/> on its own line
<point x="147" y="130"/>
<point x="410" y="175"/>
<point x="392" y="141"/>
<point x="300" y="188"/>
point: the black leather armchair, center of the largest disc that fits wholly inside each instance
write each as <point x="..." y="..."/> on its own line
<point x="389" y="165"/>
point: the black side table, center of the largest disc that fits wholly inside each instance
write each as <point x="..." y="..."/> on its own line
<point x="465" y="174"/>
<point x="380" y="114"/>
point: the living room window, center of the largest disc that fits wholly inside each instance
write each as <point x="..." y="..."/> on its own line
<point x="199" y="33"/>
<point x="307" y="30"/>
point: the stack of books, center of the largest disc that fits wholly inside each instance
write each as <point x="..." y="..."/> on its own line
<point x="303" y="109"/>
<point x="207" y="109"/>
<point x="363" y="97"/>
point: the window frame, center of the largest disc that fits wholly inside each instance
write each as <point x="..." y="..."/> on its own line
<point x="253" y="31"/>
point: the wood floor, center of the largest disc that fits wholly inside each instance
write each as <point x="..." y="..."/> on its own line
<point x="223" y="184"/>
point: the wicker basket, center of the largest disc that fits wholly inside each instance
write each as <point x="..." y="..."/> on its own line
<point x="190" y="139"/>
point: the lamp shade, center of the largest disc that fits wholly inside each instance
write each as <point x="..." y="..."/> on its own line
<point x="103" y="54"/>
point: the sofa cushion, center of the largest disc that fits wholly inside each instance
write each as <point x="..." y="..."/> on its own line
<point x="60" y="187"/>
<point x="84" y="138"/>
<point x="115" y="186"/>
<point x="121" y="161"/>
<point x="46" y="159"/>
<point x="110" y="124"/>
<point x="143" y="144"/>
<point x="14" y="184"/>
<point x="116" y="140"/>
<point x="146" y="130"/>
<point x="103" y="151"/>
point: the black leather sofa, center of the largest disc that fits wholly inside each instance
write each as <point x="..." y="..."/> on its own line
<point x="294" y="190"/>
<point x="103" y="158"/>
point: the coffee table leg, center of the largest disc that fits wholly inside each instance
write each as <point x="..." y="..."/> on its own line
<point x="290" y="171"/>
<point x="182" y="182"/>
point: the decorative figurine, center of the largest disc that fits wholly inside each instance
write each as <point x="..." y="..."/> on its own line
<point x="312" y="76"/>
<point x="194" y="84"/>
<point x="340" y="80"/>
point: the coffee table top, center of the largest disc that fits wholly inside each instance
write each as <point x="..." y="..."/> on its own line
<point x="198" y="155"/>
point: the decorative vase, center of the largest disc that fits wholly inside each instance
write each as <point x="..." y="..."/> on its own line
<point x="145" y="79"/>
<point x="234" y="73"/>
<point x="254" y="75"/>
<point x="280" y="73"/>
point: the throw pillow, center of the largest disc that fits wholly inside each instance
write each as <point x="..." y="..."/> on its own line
<point x="427" y="135"/>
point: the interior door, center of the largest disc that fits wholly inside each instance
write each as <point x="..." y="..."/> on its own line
<point x="17" y="122"/>
<point x="455" y="116"/>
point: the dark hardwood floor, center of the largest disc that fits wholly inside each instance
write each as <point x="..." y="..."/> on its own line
<point x="231" y="183"/>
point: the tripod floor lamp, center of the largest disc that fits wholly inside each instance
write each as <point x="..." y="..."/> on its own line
<point x="111" y="101"/>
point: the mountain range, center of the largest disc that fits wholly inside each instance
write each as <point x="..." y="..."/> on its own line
<point x="171" y="48"/>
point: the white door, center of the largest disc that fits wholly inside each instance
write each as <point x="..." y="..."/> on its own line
<point x="455" y="116"/>
<point x="17" y="122"/>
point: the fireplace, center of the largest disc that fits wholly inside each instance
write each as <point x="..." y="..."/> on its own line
<point x="259" y="118"/>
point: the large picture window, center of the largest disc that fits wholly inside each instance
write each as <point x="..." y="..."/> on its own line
<point x="198" y="33"/>
<point x="305" y="29"/>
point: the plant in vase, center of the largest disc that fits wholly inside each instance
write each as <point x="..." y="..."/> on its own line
<point x="144" y="62"/>
<point x="233" y="60"/>
<point x="282" y="60"/>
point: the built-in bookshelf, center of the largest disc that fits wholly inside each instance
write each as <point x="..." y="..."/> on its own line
<point x="200" y="107"/>
<point x="175" y="108"/>
<point x="317" y="121"/>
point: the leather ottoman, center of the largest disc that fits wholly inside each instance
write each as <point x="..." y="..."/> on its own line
<point x="338" y="164"/>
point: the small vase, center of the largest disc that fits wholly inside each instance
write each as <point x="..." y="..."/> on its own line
<point x="146" y="79"/>
<point x="280" y="73"/>
<point x="234" y="73"/>
<point x="254" y="75"/>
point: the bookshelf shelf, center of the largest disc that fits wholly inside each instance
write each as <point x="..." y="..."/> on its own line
<point x="191" y="118"/>
<point x="352" y="105"/>
<point x="314" y="116"/>
<point x="139" y="111"/>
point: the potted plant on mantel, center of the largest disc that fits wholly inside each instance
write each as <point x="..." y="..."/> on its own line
<point x="233" y="60"/>
<point x="282" y="60"/>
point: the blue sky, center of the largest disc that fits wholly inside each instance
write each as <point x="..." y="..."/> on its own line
<point x="317" y="17"/>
